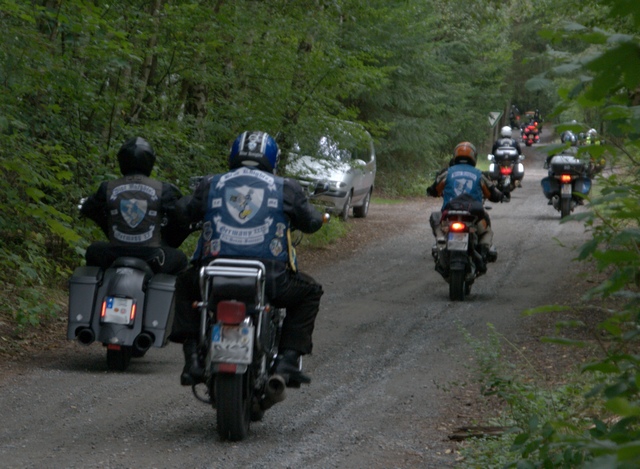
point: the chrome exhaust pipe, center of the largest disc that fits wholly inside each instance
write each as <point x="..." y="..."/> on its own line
<point x="274" y="392"/>
<point x="86" y="336"/>
<point x="143" y="342"/>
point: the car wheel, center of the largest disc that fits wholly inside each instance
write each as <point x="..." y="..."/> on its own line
<point x="361" y="212"/>
<point x="344" y="216"/>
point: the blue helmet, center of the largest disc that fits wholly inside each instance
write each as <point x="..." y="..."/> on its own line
<point x="255" y="149"/>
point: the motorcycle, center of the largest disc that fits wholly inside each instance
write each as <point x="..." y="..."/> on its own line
<point x="506" y="169"/>
<point x="127" y="307"/>
<point x="567" y="184"/>
<point x="456" y="255"/>
<point x="238" y="342"/>
<point x="529" y="137"/>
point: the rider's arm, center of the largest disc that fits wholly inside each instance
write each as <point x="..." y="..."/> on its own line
<point x="437" y="188"/>
<point x="95" y="208"/>
<point x="490" y="191"/>
<point x="301" y="212"/>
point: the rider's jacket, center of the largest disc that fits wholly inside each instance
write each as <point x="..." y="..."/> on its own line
<point x="245" y="217"/>
<point x="463" y="179"/>
<point x="506" y="142"/>
<point x="134" y="211"/>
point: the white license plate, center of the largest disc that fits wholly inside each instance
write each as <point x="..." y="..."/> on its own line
<point x="232" y="344"/>
<point x="566" y="189"/>
<point x="458" y="241"/>
<point x="117" y="310"/>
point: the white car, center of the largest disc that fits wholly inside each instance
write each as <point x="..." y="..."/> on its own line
<point x="346" y="160"/>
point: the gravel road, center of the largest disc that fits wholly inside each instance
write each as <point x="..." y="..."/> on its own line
<point x="388" y="349"/>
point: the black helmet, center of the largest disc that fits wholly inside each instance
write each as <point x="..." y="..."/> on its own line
<point x="136" y="156"/>
<point x="255" y="149"/>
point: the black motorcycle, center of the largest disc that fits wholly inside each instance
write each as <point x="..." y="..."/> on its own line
<point x="126" y="307"/>
<point x="567" y="184"/>
<point x="457" y="255"/>
<point x="506" y="169"/>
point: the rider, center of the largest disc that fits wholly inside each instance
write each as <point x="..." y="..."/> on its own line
<point x="464" y="180"/>
<point x="506" y="140"/>
<point x="137" y="214"/>
<point x="251" y="199"/>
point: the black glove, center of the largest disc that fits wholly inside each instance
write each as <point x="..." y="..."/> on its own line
<point x="431" y="190"/>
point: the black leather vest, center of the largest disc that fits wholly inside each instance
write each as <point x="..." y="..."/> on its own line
<point x="135" y="217"/>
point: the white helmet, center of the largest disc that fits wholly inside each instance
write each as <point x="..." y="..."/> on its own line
<point x="505" y="132"/>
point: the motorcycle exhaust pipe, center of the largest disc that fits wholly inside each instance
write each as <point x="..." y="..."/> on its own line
<point x="85" y="336"/>
<point x="143" y="342"/>
<point x="274" y="392"/>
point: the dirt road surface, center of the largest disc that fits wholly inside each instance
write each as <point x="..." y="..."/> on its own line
<point x="389" y="350"/>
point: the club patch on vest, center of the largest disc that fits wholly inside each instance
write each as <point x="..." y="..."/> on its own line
<point x="243" y="202"/>
<point x="133" y="211"/>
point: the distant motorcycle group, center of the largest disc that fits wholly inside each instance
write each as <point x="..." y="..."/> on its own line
<point x="459" y="254"/>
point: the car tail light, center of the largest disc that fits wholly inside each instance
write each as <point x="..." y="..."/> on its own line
<point x="565" y="178"/>
<point x="457" y="226"/>
<point x="231" y="312"/>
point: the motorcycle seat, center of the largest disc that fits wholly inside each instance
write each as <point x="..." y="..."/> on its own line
<point x="134" y="263"/>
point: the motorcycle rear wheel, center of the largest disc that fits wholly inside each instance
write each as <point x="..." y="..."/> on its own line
<point x="457" y="285"/>
<point x="565" y="207"/>
<point x="118" y="360"/>
<point x="233" y="406"/>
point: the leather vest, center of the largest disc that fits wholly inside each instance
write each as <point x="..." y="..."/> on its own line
<point x="245" y="218"/>
<point x="463" y="179"/>
<point x="134" y="218"/>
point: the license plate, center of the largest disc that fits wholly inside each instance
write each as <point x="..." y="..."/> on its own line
<point x="566" y="189"/>
<point x="117" y="310"/>
<point x="458" y="241"/>
<point x="232" y="344"/>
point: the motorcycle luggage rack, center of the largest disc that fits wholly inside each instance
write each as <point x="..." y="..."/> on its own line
<point x="253" y="270"/>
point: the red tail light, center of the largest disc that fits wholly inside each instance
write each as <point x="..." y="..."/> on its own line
<point x="133" y="313"/>
<point x="506" y="170"/>
<point x="565" y="178"/>
<point x="231" y="312"/>
<point x="457" y="226"/>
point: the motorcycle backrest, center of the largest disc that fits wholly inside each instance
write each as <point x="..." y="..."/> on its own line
<point x="244" y="289"/>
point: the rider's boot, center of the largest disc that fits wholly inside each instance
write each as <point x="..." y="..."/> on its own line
<point x="192" y="373"/>
<point x="288" y="366"/>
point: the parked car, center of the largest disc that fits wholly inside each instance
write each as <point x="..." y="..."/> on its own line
<point x="346" y="159"/>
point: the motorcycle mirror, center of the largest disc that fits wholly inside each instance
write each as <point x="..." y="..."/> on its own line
<point x="490" y="157"/>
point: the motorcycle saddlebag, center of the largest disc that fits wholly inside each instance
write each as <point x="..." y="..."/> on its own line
<point x="159" y="307"/>
<point x="83" y="286"/>
<point x="550" y="186"/>
<point x="582" y="185"/>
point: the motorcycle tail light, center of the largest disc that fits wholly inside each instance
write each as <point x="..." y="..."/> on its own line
<point x="231" y="312"/>
<point x="226" y="368"/>
<point x="506" y="170"/>
<point x="457" y="227"/>
<point x="565" y="178"/>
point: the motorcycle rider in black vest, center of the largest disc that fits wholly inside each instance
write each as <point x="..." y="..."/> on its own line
<point x="506" y="140"/>
<point x="137" y="214"/>
<point x="251" y="199"/>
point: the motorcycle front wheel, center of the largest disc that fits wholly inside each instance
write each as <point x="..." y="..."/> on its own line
<point x="233" y="406"/>
<point x="457" y="285"/>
